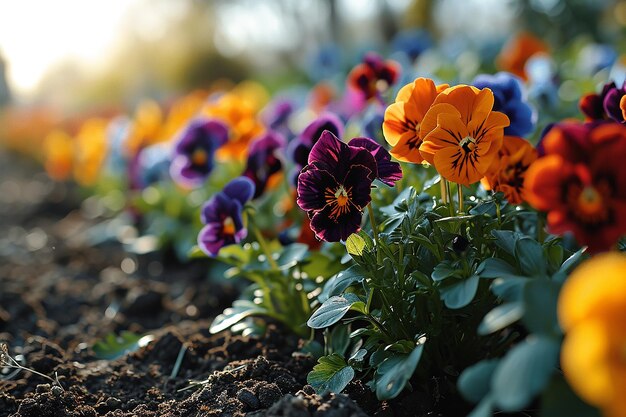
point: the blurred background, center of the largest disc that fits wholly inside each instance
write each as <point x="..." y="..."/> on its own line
<point x="75" y="55"/>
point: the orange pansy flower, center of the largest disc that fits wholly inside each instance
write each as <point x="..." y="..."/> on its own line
<point x="91" y="147"/>
<point x="517" y="51"/>
<point x="401" y="125"/>
<point x="461" y="134"/>
<point x="240" y="115"/>
<point x="592" y="312"/>
<point x="508" y="170"/>
<point x="146" y="127"/>
<point x="58" y="148"/>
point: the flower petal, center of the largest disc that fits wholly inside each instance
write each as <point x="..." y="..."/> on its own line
<point x="312" y="184"/>
<point x="240" y="189"/>
<point x="388" y="172"/>
<point x="331" y="230"/>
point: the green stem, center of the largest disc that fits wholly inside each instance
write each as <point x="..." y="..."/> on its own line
<point x="374" y="225"/>
<point x="541" y="234"/>
<point x="264" y="246"/>
<point x="370" y="211"/>
<point x="450" y="201"/>
<point x="459" y="189"/>
<point x="444" y="192"/>
<point x="498" y="213"/>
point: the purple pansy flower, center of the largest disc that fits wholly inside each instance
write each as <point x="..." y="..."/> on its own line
<point x="276" y="116"/>
<point x="300" y="148"/>
<point x="193" y="152"/>
<point x="507" y="95"/>
<point x="388" y="172"/>
<point x="263" y="160"/>
<point x="334" y="187"/>
<point x="223" y="216"/>
<point x="612" y="103"/>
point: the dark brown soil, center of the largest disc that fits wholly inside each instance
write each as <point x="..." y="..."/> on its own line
<point x="64" y="286"/>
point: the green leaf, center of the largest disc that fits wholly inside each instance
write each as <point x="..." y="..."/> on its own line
<point x="484" y="409"/>
<point x="113" y="347"/>
<point x="239" y="311"/>
<point x="524" y="372"/>
<point x="540" y="302"/>
<point x="395" y="371"/>
<point x="355" y="245"/>
<point x="500" y="317"/>
<point x="529" y="254"/>
<point x="506" y="239"/>
<point x="572" y="261"/>
<point x="444" y="270"/>
<point x="292" y="254"/>
<point x="338" y="283"/>
<point x="560" y="401"/>
<point x="331" y="373"/>
<point x="509" y="289"/>
<point x="339" y="339"/>
<point x="461" y="294"/>
<point x="475" y="381"/>
<point x="492" y="268"/>
<point x="331" y="311"/>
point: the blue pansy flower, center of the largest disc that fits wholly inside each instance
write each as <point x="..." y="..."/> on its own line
<point x="508" y="99"/>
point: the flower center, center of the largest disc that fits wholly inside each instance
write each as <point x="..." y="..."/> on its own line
<point x="339" y="200"/>
<point x="590" y="201"/>
<point x="228" y="226"/>
<point x="199" y="157"/>
<point x="468" y="143"/>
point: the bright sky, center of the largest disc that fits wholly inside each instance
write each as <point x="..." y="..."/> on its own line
<point x="36" y="34"/>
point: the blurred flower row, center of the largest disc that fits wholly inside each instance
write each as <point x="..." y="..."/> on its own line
<point x="509" y="154"/>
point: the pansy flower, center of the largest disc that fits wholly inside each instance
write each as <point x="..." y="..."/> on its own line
<point x="518" y="51"/>
<point x="58" y="147"/>
<point x="581" y="182"/>
<point x="263" y="160"/>
<point x="508" y="170"/>
<point x="508" y="99"/>
<point x="334" y="188"/>
<point x="223" y="216"/>
<point x="91" y="148"/>
<point x="592" y="313"/>
<point x="402" y="120"/>
<point x="608" y="104"/>
<point x="373" y="76"/>
<point x="461" y="134"/>
<point x="276" y="116"/>
<point x="193" y="152"/>
<point x="300" y="148"/>
<point x="239" y="113"/>
<point x="388" y="172"/>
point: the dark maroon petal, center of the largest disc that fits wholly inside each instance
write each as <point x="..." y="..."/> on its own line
<point x="358" y="182"/>
<point x="388" y="172"/>
<point x="312" y="183"/>
<point x="360" y="156"/>
<point x="334" y="230"/>
<point x="611" y="104"/>
<point x="240" y="189"/>
<point x="331" y="154"/>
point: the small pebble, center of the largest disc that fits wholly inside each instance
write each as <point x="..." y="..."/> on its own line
<point x="248" y="398"/>
<point x="57" y="391"/>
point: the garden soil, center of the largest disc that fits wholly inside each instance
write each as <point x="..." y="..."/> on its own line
<point x="63" y="288"/>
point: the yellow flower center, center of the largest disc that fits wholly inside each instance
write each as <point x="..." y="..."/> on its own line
<point x="339" y="200"/>
<point x="590" y="201"/>
<point x="199" y="157"/>
<point x="228" y="226"/>
<point x="468" y="143"/>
